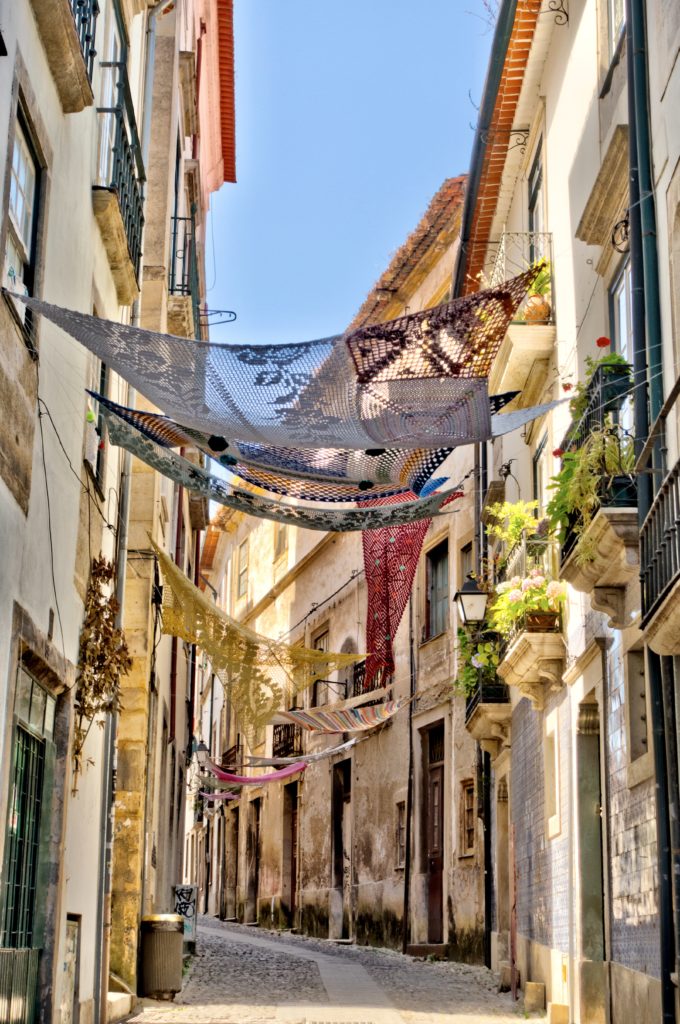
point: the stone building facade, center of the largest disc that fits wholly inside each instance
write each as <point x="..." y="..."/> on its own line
<point x="327" y="851"/>
<point x="102" y="213"/>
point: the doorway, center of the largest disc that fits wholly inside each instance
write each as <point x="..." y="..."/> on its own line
<point x="290" y="852"/>
<point x="231" y="867"/>
<point x="253" y="859"/>
<point x="434" y="833"/>
<point x="589" y="784"/>
<point x="342" y="845"/>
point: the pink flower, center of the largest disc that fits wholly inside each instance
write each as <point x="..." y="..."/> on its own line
<point x="514" y="596"/>
<point x="475" y="661"/>
<point x="515" y="581"/>
<point x="555" y="590"/>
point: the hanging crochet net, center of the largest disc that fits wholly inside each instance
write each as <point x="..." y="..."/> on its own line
<point x="324" y="475"/>
<point x="390" y="560"/>
<point x="197" y="479"/>
<point x="419" y="381"/>
<point x="332" y="720"/>
<point x="259" y="674"/>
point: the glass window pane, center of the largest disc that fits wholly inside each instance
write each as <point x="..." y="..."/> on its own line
<point x="37" y="716"/>
<point x="49" y="717"/>
<point x="22" y="700"/>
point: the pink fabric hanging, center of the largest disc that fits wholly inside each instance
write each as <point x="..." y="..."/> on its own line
<point x="256" y="780"/>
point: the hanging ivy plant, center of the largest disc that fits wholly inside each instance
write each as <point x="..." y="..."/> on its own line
<point x="103" y="657"/>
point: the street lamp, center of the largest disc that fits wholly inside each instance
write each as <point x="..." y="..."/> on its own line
<point x="202" y="753"/>
<point x="471" y="602"/>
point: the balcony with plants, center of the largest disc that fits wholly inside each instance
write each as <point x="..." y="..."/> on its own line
<point x="118" y="190"/>
<point x="520" y="642"/>
<point x="67" y="29"/>
<point x="523" y="359"/>
<point x="593" y="509"/>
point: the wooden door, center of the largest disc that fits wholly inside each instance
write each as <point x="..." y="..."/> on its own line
<point x="293" y="851"/>
<point x="435" y="853"/>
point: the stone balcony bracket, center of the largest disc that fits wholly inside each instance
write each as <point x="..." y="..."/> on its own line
<point x="522" y="362"/>
<point x="490" y="725"/>
<point x="57" y="29"/>
<point x="112" y="229"/>
<point x="611" y="577"/>
<point x="534" y="664"/>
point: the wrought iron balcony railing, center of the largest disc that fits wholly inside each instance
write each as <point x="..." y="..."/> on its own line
<point x="607" y="392"/>
<point x="359" y="684"/>
<point x="530" y="553"/>
<point x="120" y="168"/>
<point x="183" y="276"/>
<point x="660" y="545"/>
<point x="287" y="741"/>
<point x="232" y="756"/>
<point x="486" y="693"/>
<point x="516" y="252"/>
<point x="85" y="14"/>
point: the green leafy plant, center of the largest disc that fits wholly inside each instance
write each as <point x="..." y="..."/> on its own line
<point x="478" y="658"/>
<point x="103" y="657"/>
<point x="543" y="281"/>
<point x="583" y="482"/>
<point x="579" y="400"/>
<point x="508" y="521"/>
<point x="520" y="597"/>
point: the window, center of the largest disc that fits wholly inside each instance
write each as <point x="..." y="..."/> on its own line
<point x="621" y="328"/>
<point x="34" y="710"/>
<point x="616" y="17"/>
<point x="551" y="776"/>
<point x="95" y="446"/>
<point x="401" y="834"/>
<point x="535" y="202"/>
<point x="467" y="817"/>
<point x="320" y="687"/>
<point x="242" y="575"/>
<point x="466" y="563"/>
<point x="280" y="540"/>
<point x="541" y="475"/>
<point x="437" y="590"/>
<point x="636" y="704"/>
<point x="23" y="212"/>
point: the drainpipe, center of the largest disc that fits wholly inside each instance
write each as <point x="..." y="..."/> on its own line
<point x="647" y="357"/>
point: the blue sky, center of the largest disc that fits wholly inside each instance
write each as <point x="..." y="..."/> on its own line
<point x="349" y="117"/>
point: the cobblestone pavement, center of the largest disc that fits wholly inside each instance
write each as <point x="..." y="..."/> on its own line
<point x="244" y="975"/>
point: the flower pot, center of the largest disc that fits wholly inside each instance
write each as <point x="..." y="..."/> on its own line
<point x="541" y="622"/>
<point x="620" y="492"/>
<point x="536" y="310"/>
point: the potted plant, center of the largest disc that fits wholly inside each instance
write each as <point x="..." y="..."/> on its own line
<point x="537" y="308"/>
<point x="533" y="603"/>
<point x="478" y="658"/>
<point x="508" y="521"/>
<point x="609" y="377"/>
<point x="599" y="472"/>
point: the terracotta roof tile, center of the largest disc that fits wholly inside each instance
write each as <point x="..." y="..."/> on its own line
<point x="225" y="27"/>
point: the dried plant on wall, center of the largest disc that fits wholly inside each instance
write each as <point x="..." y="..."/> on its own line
<point x="103" y="657"/>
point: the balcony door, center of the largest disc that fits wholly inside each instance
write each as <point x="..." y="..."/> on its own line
<point x="113" y="52"/>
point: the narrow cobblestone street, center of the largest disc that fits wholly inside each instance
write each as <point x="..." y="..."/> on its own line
<point x="242" y="975"/>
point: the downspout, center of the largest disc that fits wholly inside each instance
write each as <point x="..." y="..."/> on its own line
<point x="173" y="654"/>
<point x="406" y="913"/>
<point x="647" y="357"/>
<point x="103" y="947"/>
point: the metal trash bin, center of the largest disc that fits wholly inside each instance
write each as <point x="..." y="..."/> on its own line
<point x="162" y="941"/>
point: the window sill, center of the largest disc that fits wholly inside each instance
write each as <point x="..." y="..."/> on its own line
<point x="640" y="770"/>
<point x="431" y="639"/>
<point x="466" y="856"/>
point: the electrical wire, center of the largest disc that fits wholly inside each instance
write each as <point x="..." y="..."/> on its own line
<point x="49" y="532"/>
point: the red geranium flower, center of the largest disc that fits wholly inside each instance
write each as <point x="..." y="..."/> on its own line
<point x="567" y="387"/>
<point x="558" y="453"/>
<point x="603" y="342"/>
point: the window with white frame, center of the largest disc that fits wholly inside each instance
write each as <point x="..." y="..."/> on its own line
<point x="551" y="774"/>
<point x="22" y="210"/>
<point x="621" y="328"/>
